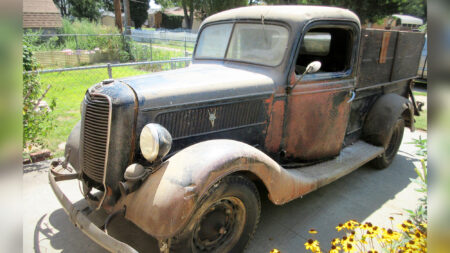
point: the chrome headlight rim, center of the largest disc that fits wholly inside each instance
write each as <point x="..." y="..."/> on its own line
<point x="155" y="141"/>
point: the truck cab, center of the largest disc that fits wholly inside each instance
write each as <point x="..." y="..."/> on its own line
<point x="278" y="99"/>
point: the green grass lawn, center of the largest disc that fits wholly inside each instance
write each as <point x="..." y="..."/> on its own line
<point x="68" y="89"/>
<point x="419" y="93"/>
<point x="421" y="121"/>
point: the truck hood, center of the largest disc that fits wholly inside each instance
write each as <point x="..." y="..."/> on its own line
<point x="197" y="83"/>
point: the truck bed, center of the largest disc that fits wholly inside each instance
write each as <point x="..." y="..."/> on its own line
<point x="388" y="56"/>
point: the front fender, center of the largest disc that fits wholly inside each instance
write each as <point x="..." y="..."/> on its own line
<point x="167" y="199"/>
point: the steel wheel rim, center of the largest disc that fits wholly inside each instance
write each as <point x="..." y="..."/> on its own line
<point x="220" y="226"/>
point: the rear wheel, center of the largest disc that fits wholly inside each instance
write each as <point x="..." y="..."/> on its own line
<point x="225" y="221"/>
<point x="385" y="159"/>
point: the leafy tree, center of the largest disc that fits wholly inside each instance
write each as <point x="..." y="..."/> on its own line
<point x="204" y="8"/>
<point x="138" y="12"/>
<point x="368" y="10"/>
<point x="417" y="8"/>
<point x="89" y="9"/>
<point x="63" y="5"/>
<point x="108" y="5"/>
<point x="188" y="8"/>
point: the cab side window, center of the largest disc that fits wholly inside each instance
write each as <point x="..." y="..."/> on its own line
<point x="331" y="46"/>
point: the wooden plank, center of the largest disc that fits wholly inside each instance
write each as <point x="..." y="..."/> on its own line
<point x="384" y="46"/>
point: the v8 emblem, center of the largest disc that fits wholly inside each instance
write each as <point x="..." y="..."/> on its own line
<point x="212" y="117"/>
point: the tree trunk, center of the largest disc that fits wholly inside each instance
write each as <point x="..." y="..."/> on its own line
<point x="118" y="14"/>
<point x="191" y="14"/>
<point x="126" y="9"/>
<point x="188" y="17"/>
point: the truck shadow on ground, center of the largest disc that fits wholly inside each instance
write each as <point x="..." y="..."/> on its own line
<point x="355" y="196"/>
<point x="64" y="236"/>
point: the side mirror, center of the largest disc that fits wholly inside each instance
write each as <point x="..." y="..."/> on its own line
<point x="313" y="67"/>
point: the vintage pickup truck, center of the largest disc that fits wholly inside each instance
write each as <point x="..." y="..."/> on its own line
<point x="278" y="101"/>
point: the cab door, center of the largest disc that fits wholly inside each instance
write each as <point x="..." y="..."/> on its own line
<point x="318" y="106"/>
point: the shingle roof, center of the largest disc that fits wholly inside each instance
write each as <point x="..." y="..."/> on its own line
<point x="41" y="14"/>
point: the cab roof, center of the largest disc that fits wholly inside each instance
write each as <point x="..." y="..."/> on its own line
<point x="292" y="14"/>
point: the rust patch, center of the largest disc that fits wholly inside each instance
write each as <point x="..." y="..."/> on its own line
<point x="384" y="46"/>
<point x="317" y="118"/>
<point x="275" y="128"/>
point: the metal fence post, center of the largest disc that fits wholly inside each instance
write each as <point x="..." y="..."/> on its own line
<point x="185" y="51"/>
<point x="109" y="71"/>
<point x="77" y="52"/>
<point x="151" y="49"/>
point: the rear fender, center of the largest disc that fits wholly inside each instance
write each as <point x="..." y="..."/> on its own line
<point x="164" y="203"/>
<point x="383" y="115"/>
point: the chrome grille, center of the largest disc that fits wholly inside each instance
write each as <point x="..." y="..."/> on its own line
<point x="95" y="136"/>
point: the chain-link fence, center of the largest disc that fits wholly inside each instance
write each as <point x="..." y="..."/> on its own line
<point x="72" y="50"/>
<point x="89" y="75"/>
<point x="67" y="86"/>
<point x="71" y="63"/>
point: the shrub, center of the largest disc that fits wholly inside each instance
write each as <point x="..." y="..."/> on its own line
<point x="36" y="121"/>
<point x="171" y="21"/>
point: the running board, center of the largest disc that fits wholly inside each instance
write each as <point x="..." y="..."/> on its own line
<point x="309" y="178"/>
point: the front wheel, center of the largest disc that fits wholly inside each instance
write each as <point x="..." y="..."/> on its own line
<point x="385" y="159"/>
<point x="225" y="220"/>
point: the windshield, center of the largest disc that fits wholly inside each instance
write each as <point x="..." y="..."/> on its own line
<point x="256" y="43"/>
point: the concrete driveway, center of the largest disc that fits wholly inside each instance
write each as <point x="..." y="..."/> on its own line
<point x="364" y="195"/>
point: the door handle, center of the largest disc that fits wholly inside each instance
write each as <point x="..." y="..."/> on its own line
<point x="353" y="94"/>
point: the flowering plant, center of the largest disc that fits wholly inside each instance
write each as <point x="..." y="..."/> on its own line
<point x="366" y="237"/>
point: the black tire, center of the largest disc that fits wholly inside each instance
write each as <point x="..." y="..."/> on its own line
<point x="225" y="220"/>
<point x="385" y="159"/>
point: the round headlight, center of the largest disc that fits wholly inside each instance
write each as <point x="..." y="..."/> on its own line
<point x="155" y="142"/>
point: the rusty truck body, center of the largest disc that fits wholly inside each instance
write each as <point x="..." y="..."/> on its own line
<point x="278" y="99"/>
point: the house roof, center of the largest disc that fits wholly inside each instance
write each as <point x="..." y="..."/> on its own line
<point x="41" y="14"/>
<point x="175" y="11"/>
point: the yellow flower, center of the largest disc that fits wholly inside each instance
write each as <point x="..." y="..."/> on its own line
<point x="312" y="245"/>
<point x="340" y="227"/>
<point x="348" y="247"/>
<point x="372" y="251"/>
<point x="275" y="251"/>
<point x="351" y="224"/>
<point x="370" y="234"/>
<point x="335" y="241"/>
<point x="334" y="249"/>
<point x="403" y="227"/>
<point x="313" y="231"/>
<point x="389" y="236"/>
<point x="344" y="240"/>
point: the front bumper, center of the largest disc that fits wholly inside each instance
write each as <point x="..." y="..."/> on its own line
<point x="82" y="221"/>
